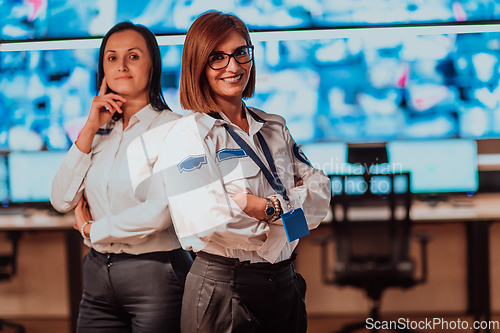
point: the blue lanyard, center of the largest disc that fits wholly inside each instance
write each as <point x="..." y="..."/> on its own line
<point x="273" y="178"/>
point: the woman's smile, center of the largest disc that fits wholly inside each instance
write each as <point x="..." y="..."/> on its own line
<point x="232" y="78"/>
<point x="228" y="83"/>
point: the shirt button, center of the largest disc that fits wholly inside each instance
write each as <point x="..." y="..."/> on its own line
<point x="271" y="278"/>
<point x="267" y="252"/>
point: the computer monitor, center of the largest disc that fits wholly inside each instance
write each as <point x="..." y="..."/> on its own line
<point x="436" y="166"/>
<point x="330" y="157"/>
<point x="3" y="180"/>
<point x="31" y="175"/>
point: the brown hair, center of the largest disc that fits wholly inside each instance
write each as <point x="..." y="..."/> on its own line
<point x="206" y="32"/>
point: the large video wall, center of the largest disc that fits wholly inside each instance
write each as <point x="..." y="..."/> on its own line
<point x="47" y="19"/>
<point x="394" y="85"/>
<point x="345" y="89"/>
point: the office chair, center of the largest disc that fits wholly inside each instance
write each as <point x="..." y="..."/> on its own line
<point x="371" y="254"/>
<point x="8" y="270"/>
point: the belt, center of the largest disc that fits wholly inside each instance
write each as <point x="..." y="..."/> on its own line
<point x="118" y="257"/>
<point x="246" y="264"/>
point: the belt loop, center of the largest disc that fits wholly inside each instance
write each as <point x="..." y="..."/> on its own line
<point x="232" y="276"/>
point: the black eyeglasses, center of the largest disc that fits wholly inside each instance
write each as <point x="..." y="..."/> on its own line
<point x="220" y="60"/>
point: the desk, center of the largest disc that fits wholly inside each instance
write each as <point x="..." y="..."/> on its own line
<point x="42" y="221"/>
<point x="455" y="209"/>
<point x="478" y="212"/>
<point x="480" y="207"/>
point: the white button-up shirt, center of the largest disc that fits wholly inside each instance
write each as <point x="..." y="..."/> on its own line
<point x="128" y="203"/>
<point x="203" y="168"/>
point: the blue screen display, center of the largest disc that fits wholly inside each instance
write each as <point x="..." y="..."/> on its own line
<point x="330" y="157"/>
<point x="377" y="90"/>
<point x="31" y="175"/>
<point x="45" y="95"/>
<point x="38" y="19"/>
<point x="343" y="89"/>
<point x="351" y="89"/>
<point x="4" y="194"/>
<point x="436" y="166"/>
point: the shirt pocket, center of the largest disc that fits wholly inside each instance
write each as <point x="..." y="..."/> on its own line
<point x="284" y="167"/>
<point x="240" y="175"/>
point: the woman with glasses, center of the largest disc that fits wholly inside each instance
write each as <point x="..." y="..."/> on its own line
<point x="230" y="172"/>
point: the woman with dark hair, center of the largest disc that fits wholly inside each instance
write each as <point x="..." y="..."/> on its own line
<point x="135" y="270"/>
<point x="240" y="189"/>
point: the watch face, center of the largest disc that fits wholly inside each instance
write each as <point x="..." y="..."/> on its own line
<point x="269" y="211"/>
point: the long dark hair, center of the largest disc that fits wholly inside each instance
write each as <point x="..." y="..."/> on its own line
<point x="155" y="94"/>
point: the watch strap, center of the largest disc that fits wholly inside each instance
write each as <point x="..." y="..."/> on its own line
<point x="277" y="208"/>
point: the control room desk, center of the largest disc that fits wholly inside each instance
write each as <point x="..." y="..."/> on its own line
<point x="477" y="212"/>
<point x="41" y="221"/>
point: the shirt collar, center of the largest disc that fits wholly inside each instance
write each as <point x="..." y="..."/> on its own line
<point x="255" y="116"/>
<point x="206" y="121"/>
<point x="145" y="116"/>
<point x="217" y="115"/>
<point x="255" y="122"/>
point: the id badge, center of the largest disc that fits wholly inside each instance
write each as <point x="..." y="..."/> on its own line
<point x="295" y="224"/>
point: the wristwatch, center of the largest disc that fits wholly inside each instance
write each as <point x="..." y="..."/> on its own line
<point x="270" y="210"/>
<point x="273" y="209"/>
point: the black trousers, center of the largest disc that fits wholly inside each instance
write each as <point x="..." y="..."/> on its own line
<point x="133" y="293"/>
<point x="224" y="295"/>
